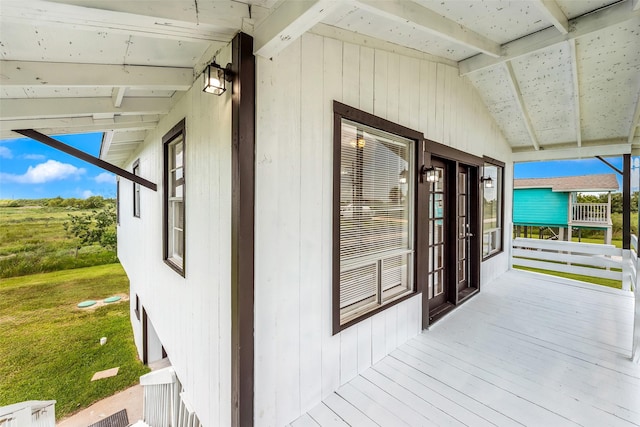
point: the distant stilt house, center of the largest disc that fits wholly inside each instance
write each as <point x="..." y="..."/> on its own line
<point x="553" y="203"/>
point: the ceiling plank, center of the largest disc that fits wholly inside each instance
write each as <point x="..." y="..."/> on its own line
<point x="54" y="74"/>
<point x="38" y="12"/>
<point x="288" y="22"/>
<point x="554" y="14"/>
<point x="431" y="22"/>
<point x="13" y="109"/>
<point x="576" y="90"/>
<point x="515" y="88"/>
<point x="635" y="122"/>
<point x="578" y="27"/>
<point x="585" y="152"/>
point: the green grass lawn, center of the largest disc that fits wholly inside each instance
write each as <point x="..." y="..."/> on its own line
<point x="589" y="279"/>
<point x="33" y="240"/>
<point x="49" y="349"/>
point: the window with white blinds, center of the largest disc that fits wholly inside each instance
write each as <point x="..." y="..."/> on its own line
<point x="376" y="218"/>
<point x="174" y="198"/>
<point x="492" y="211"/>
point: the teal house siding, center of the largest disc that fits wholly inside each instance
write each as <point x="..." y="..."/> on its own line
<point x="540" y="206"/>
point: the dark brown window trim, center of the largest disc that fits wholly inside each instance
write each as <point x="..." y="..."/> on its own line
<point x="450" y="153"/>
<point x="499" y="164"/>
<point x="342" y="111"/>
<point x="178" y="129"/>
<point x="135" y="169"/>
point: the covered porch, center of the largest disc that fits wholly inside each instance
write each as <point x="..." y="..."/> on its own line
<point x="530" y="349"/>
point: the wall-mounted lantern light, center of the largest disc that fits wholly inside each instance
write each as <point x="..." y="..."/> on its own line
<point x="487" y="181"/>
<point x="215" y="77"/>
<point x="430" y="173"/>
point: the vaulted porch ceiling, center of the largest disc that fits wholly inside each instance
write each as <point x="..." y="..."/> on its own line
<point x="561" y="78"/>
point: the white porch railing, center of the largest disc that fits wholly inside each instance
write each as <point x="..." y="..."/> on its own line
<point x="587" y="259"/>
<point x="165" y="404"/>
<point x="32" y="413"/>
<point x="597" y="213"/>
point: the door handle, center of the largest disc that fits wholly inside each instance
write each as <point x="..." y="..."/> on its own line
<point x="466" y="235"/>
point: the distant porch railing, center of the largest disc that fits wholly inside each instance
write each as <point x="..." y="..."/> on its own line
<point x="587" y="259"/>
<point x="32" y="413"/>
<point x="590" y="213"/>
<point x="165" y="404"/>
<point x="635" y="281"/>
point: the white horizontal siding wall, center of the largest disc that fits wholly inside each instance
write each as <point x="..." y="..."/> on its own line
<point x="192" y="315"/>
<point x="297" y="360"/>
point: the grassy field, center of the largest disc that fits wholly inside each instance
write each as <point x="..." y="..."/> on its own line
<point x="50" y="349"/>
<point x="589" y="279"/>
<point x="33" y="240"/>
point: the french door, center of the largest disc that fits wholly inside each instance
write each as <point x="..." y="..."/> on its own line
<point x="453" y="226"/>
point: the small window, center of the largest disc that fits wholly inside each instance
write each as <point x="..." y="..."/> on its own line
<point x="137" y="310"/>
<point x="136" y="190"/>
<point x="492" y="209"/>
<point x="174" y="192"/>
<point x="375" y="221"/>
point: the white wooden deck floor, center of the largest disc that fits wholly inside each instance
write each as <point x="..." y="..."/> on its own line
<point x="528" y="350"/>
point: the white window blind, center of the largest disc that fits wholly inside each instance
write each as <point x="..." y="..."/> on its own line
<point x="376" y="218"/>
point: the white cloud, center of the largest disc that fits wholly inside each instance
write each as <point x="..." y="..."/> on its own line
<point x="105" y="178"/>
<point x="34" y="156"/>
<point x="87" y="193"/>
<point x="5" y="153"/>
<point x="51" y="170"/>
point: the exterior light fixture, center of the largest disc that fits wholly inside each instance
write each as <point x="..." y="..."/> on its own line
<point x="430" y="173"/>
<point x="215" y="78"/>
<point x="488" y="181"/>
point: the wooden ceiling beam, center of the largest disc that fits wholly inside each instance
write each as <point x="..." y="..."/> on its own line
<point x="59" y="74"/>
<point x="38" y="12"/>
<point x="517" y="93"/>
<point x="41" y="108"/>
<point x="578" y="27"/>
<point x="554" y="14"/>
<point x="431" y="22"/>
<point x="87" y="124"/>
<point x="610" y="148"/>
<point x="288" y="22"/>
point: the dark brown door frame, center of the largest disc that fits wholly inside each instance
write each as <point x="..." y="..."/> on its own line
<point x="242" y="229"/>
<point x="456" y="158"/>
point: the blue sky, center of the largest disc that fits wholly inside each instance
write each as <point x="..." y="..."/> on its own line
<point x="32" y="170"/>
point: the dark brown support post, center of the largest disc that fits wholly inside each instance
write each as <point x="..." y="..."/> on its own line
<point x="242" y="229"/>
<point x="47" y="140"/>
<point x="626" y="201"/>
